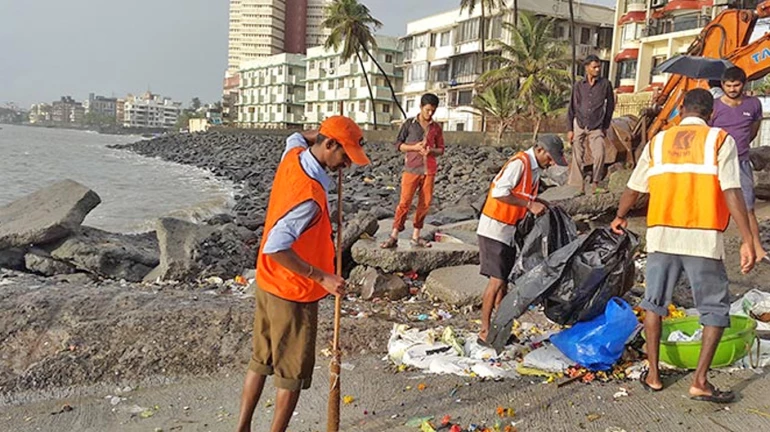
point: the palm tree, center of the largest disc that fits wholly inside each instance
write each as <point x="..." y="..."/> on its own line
<point x="548" y="105"/>
<point x="515" y="12"/>
<point x="352" y="26"/>
<point x="486" y="6"/>
<point x="534" y="61"/>
<point x="572" y="37"/>
<point x="500" y="102"/>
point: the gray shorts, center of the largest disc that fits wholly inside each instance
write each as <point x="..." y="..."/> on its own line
<point x="747" y="184"/>
<point x="708" y="280"/>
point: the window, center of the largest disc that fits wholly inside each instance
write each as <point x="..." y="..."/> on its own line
<point x="421" y="41"/>
<point x="330" y="85"/>
<point x="605" y="37"/>
<point x="632" y="31"/>
<point x="468" y="30"/>
<point x="463" y="66"/>
<point x="312" y="64"/>
<point x="494" y="27"/>
<point x="352" y="107"/>
<point x="290" y="90"/>
<point x="444" y="39"/>
<point x="309" y="108"/>
<point x="329" y="106"/>
<point x="417" y="72"/>
<point x="388" y="58"/>
<point x="433" y="39"/>
<point x="585" y="36"/>
<point x="627" y="69"/>
<point x="362" y="106"/>
<point x="291" y="71"/>
<point x="441" y="74"/>
<point x="310" y="86"/>
<point x="340" y="83"/>
<point x="459" y="127"/>
<point x="385" y="108"/>
<point x="465" y="97"/>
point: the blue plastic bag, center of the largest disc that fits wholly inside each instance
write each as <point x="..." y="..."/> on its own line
<point x="598" y="344"/>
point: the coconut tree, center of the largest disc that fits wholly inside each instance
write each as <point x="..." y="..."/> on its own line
<point x="352" y="27"/>
<point x="548" y="105"/>
<point x="500" y="102"/>
<point x="534" y="61"/>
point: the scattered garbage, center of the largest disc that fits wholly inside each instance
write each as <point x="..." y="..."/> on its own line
<point x="65" y="408"/>
<point x="575" y="283"/>
<point x="347" y="399"/>
<point x="622" y="392"/>
<point x="598" y="344"/>
<point x="547" y="358"/>
<point x="755" y="304"/>
<point x="680" y="336"/>
<point x="442" y="351"/>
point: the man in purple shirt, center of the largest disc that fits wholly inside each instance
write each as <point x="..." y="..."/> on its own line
<point x="740" y="116"/>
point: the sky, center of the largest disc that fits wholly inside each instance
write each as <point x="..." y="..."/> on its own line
<point x="177" y="48"/>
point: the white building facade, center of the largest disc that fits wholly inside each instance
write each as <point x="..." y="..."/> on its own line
<point x="335" y="87"/>
<point x="442" y="53"/>
<point x="150" y="111"/>
<point x="272" y="92"/>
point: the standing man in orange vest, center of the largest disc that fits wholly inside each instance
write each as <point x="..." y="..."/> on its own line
<point x="295" y="266"/>
<point x="512" y="194"/>
<point x="692" y="175"/>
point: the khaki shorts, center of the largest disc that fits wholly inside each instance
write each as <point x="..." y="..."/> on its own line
<point x="284" y="340"/>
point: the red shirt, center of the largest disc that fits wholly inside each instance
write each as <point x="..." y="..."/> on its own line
<point x="412" y="132"/>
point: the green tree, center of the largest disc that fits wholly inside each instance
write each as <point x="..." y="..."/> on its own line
<point x="534" y="61"/>
<point x="352" y="27"/>
<point x="549" y="105"/>
<point x="195" y="103"/>
<point x="499" y="101"/>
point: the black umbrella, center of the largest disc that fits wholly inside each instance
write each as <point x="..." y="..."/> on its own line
<point x="694" y="67"/>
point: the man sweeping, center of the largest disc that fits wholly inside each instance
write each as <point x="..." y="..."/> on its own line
<point x="512" y="194"/>
<point x="295" y="266"/>
<point x="692" y="175"/>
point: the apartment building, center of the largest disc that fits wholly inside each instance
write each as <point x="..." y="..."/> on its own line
<point x="101" y="106"/>
<point x="40" y="113"/>
<point x="262" y="28"/>
<point x="649" y="32"/>
<point x="272" y="92"/>
<point x="150" y="111"/>
<point x="335" y="87"/>
<point x="67" y="110"/>
<point x="442" y="53"/>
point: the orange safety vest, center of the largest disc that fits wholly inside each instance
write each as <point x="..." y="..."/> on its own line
<point x="524" y="189"/>
<point x="683" y="178"/>
<point x="291" y="187"/>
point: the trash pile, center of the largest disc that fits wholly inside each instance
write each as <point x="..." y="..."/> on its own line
<point x="429" y="423"/>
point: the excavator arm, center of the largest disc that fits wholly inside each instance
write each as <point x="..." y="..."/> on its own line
<point x="728" y="32"/>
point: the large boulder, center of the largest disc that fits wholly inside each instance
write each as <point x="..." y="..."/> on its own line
<point x="386" y="228"/>
<point x="362" y="223"/>
<point x="452" y="214"/>
<point x="110" y="255"/>
<point x="189" y="251"/>
<point x="762" y="185"/>
<point x="47" y="215"/>
<point x="458" y="286"/>
<point x="179" y="242"/>
<point x="405" y="257"/>
<point x="41" y="262"/>
<point x="760" y="158"/>
<point x="12" y="258"/>
<point x="372" y="283"/>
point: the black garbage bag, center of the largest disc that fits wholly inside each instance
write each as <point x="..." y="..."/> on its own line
<point x="539" y="236"/>
<point x="574" y="283"/>
<point x="603" y="267"/>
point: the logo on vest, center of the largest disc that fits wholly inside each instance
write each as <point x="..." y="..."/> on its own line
<point x="682" y="143"/>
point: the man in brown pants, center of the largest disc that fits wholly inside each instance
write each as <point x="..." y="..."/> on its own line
<point x="589" y="117"/>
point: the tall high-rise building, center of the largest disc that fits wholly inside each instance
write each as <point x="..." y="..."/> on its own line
<point x="262" y="28"/>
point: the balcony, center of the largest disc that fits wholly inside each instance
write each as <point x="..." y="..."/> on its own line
<point x="366" y="117"/>
<point x="313" y="117"/>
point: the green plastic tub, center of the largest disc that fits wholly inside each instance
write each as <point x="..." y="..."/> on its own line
<point x="735" y="344"/>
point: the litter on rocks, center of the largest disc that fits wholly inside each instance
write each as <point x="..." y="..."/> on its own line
<point x="755" y="304"/>
<point x="444" y="352"/>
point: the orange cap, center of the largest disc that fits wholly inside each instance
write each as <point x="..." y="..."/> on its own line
<point x="346" y="132"/>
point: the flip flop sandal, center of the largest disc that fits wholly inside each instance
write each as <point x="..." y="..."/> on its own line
<point x="419" y="243"/>
<point x="643" y="382"/>
<point x="716" y="396"/>
<point x="390" y="243"/>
